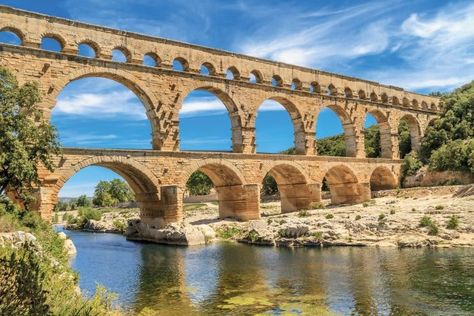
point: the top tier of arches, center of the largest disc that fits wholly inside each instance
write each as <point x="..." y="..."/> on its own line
<point x="102" y="42"/>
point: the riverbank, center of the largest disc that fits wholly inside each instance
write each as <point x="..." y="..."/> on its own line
<point x="421" y="217"/>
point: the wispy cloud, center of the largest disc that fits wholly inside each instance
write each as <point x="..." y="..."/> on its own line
<point x="110" y="103"/>
<point x="86" y="138"/>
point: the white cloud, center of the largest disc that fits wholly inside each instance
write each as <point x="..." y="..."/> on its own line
<point x="86" y="138"/>
<point x="110" y="103"/>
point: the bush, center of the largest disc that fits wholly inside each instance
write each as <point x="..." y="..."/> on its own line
<point x="454" y="155"/>
<point x="381" y="217"/>
<point x="228" y="232"/>
<point x="329" y="216"/>
<point x="453" y="222"/>
<point x="411" y="164"/>
<point x="316" y="205"/>
<point x="90" y="213"/>
<point x="425" y="221"/>
<point x="392" y="212"/>
<point x="439" y="207"/>
<point x="433" y="229"/>
<point x="358" y="217"/>
<point x="119" y="225"/>
<point x="303" y="213"/>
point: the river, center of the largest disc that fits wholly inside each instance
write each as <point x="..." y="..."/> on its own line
<point x="235" y="279"/>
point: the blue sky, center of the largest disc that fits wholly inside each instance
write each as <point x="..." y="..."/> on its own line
<point x="422" y="46"/>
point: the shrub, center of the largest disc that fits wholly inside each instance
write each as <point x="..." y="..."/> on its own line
<point x="411" y="164"/>
<point x="329" y="216"/>
<point x="303" y="213"/>
<point x="439" y="207"/>
<point x="90" y="213"/>
<point x="454" y="155"/>
<point x="317" y="235"/>
<point x="358" y="217"/>
<point x="365" y="204"/>
<point x="316" y="205"/>
<point x="392" y="212"/>
<point x="453" y="222"/>
<point x="381" y="217"/>
<point x="425" y="221"/>
<point x="433" y="229"/>
<point x="228" y="232"/>
<point x="119" y="225"/>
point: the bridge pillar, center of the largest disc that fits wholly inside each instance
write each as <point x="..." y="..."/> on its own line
<point x="239" y="201"/>
<point x="296" y="197"/>
<point x="167" y="210"/>
<point x="349" y="193"/>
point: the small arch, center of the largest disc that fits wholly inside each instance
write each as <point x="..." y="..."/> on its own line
<point x="384" y="97"/>
<point x="414" y="129"/>
<point x="291" y="187"/>
<point x="255" y="76"/>
<point x="180" y="64"/>
<point x="405" y="102"/>
<point x="314" y="87"/>
<point x="424" y="105"/>
<point x="207" y="69"/>
<point x="332" y="91"/>
<point x="87" y="49"/>
<point x="348" y="92"/>
<point x="121" y="55"/>
<point x="415" y="104"/>
<point x="433" y="106"/>
<point x="232" y="73"/>
<point x="277" y="81"/>
<point x="361" y="94"/>
<point x="343" y="185"/>
<point x="151" y="60"/>
<point x="296" y="84"/>
<point x="52" y="42"/>
<point x="382" y="178"/>
<point x="395" y="101"/>
<point x="12" y="36"/>
<point x="373" y="97"/>
<point x="382" y="139"/>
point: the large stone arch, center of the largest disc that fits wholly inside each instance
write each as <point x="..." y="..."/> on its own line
<point x="382" y="178"/>
<point x="415" y="130"/>
<point x="236" y="198"/>
<point x="295" y="191"/>
<point x="385" y="132"/>
<point x="344" y="185"/>
<point x="347" y="125"/>
<point x="232" y="110"/>
<point x="131" y="82"/>
<point x="296" y="119"/>
<point x="141" y="180"/>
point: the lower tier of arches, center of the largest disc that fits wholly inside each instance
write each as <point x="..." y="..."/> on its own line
<point x="159" y="179"/>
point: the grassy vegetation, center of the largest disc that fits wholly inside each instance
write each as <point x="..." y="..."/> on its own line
<point x="228" y="231"/>
<point x="36" y="279"/>
<point x="453" y="222"/>
<point x="427" y="222"/>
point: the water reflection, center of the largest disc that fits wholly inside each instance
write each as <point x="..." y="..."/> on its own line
<point x="239" y="279"/>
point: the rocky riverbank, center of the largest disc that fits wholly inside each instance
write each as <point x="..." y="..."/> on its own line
<point x="423" y="217"/>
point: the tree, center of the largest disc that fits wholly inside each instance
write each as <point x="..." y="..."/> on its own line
<point x="27" y="138"/>
<point x="199" y="183"/>
<point x="83" y="201"/>
<point x="269" y="185"/>
<point x="120" y="191"/>
<point x="110" y="193"/>
<point x="404" y="139"/>
<point x="372" y="142"/>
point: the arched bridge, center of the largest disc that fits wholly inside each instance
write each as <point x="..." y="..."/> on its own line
<point x="242" y="83"/>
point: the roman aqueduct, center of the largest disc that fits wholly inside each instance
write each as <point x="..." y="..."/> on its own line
<point x="158" y="176"/>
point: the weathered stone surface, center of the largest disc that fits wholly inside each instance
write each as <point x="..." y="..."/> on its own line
<point x="16" y="239"/>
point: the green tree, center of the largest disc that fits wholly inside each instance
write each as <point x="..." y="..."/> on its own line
<point x="331" y="146"/>
<point x="404" y="138"/>
<point x="199" y="183"/>
<point x="372" y="142"/>
<point x="83" y="201"/>
<point x="102" y="195"/>
<point x="27" y="139"/>
<point x="120" y="191"/>
<point x="269" y="185"/>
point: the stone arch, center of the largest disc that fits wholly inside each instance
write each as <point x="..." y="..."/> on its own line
<point x="395" y="100"/>
<point x="361" y="94"/>
<point x="382" y="178"/>
<point x="14" y="30"/>
<point x="296" y="84"/>
<point x="348" y="127"/>
<point x="344" y="185"/>
<point x="373" y="97"/>
<point x="122" y="77"/>
<point x="405" y="102"/>
<point x="232" y="109"/>
<point x="315" y="87"/>
<point x="184" y="63"/>
<point x="385" y="133"/>
<point x="415" y="103"/>
<point x="125" y="51"/>
<point x="332" y="90"/>
<point x="384" y="98"/>
<point x="258" y="76"/>
<point x="277" y="81"/>
<point x="232" y="192"/>
<point x="153" y="56"/>
<point x="415" y="130"/>
<point x="235" y="73"/>
<point x="141" y="180"/>
<point x="56" y="37"/>
<point x="210" y="68"/>
<point x="295" y="194"/>
<point x="93" y="45"/>
<point x="348" y="92"/>
<point x="296" y="118"/>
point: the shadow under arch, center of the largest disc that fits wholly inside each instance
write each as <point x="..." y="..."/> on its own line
<point x="143" y="182"/>
<point x="129" y="81"/>
<point x="292" y="184"/>
<point x="232" y="193"/>
<point x="296" y="119"/>
<point x="348" y="128"/>
<point x="343" y="185"/>
<point x="382" y="178"/>
<point x="232" y="111"/>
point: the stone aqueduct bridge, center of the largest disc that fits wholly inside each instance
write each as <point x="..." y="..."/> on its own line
<point x="158" y="176"/>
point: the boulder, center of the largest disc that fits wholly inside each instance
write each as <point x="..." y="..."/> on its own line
<point x="293" y="230"/>
<point x="70" y="248"/>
